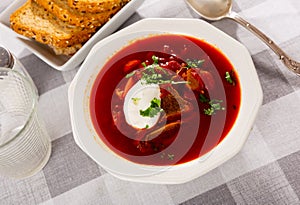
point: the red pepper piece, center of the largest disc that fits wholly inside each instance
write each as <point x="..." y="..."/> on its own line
<point x="131" y="66"/>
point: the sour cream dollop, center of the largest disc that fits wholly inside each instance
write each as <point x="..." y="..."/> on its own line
<point x="139" y="98"/>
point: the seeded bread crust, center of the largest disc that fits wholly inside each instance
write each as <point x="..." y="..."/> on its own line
<point x="95" y="6"/>
<point x="62" y="10"/>
<point x="34" y="22"/>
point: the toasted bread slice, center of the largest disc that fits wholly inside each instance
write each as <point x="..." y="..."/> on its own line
<point x="95" y="6"/>
<point x="61" y="10"/>
<point x="70" y="50"/>
<point x="35" y="22"/>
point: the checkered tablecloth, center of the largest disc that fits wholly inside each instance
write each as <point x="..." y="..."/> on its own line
<point x="265" y="171"/>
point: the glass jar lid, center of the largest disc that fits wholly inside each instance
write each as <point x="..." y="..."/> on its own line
<point x="6" y="59"/>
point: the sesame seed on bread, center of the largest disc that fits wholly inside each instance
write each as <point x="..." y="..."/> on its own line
<point x="62" y="10"/>
<point x="95" y="6"/>
<point x="35" y="22"/>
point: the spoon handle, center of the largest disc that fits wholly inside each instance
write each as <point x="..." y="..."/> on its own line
<point x="289" y="63"/>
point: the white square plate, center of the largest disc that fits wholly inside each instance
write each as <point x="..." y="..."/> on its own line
<point x="61" y="62"/>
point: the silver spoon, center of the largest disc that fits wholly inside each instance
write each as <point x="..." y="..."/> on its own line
<point x="219" y="9"/>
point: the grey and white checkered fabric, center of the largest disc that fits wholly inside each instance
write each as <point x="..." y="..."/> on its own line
<point x="266" y="170"/>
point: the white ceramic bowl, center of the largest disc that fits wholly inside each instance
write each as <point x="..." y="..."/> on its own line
<point x="61" y="62"/>
<point x="87" y="139"/>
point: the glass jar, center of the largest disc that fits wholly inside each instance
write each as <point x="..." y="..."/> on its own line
<point x="8" y="60"/>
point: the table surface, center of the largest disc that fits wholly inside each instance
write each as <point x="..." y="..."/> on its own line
<point x="265" y="171"/>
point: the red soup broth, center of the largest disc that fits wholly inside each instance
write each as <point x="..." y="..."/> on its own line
<point x="200" y="97"/>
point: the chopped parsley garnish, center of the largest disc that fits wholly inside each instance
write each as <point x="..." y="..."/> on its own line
<point x="229" y="78"/>
<point x="144" y="64"/>
<point x="215" y="105"/>
<point x="155" y="74"/>
<point x="152" y="77"/>
<point x="194" y="63"/>
<point x="153" y="109"/>
<point x="135" y="100"/>
<point x="129" y="75"/>
<point x="203" y="98"/>
<point x="155" y="59"/>
<point x="170" y="156"/>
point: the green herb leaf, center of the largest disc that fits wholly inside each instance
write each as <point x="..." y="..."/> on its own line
<point x="203" y="98"/>
<point x="215" y="105"/>
<point x="194" y="63"/>
<point x="129" y="75"/>
<point x="155" y="102"/>
<point x="155" y="59"/>
<point x="150" y="74"/>
<point x="136" y="100"/>
<point x="153" y="109"/>
<point x="171" y="156"/>
<point x="154" y="74"/>
<point x="209" y="111"/>
<point x="144" y="64"/>
<point x="229" y="78"/>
